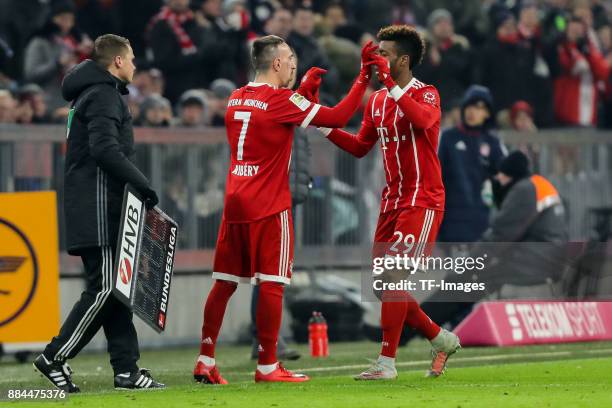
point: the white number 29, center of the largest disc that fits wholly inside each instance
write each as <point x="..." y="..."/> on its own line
<point x="408" y="241"/>
<point x="244" y="117"/>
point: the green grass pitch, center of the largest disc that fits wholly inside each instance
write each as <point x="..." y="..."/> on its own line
<point x="571" y="375"/>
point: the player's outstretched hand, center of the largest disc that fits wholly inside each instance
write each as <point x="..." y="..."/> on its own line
<point x="311" y="81"/>
<point x="384" y="71"/>
<point x="367" y="52"/>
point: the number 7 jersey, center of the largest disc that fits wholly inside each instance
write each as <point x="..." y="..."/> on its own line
<point x="260" y="121"/>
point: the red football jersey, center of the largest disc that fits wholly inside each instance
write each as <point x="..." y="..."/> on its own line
<point x="260" y="121"/>
<point x="409" y="148"/>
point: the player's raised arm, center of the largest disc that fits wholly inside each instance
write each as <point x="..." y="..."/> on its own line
<point x="339" y="115"/>
<point x="275" y="66"/>
<point x="360" y="144"/>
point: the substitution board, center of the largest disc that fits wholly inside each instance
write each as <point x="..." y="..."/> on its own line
<point x="144" y="259"/>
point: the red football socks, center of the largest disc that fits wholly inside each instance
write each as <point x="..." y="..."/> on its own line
<point x="417" y="319"/>
<point x="214" y="310"/>
<point x="268" y="320"/>
<point x="393" y="314"/>
<point x="399" y="308"/>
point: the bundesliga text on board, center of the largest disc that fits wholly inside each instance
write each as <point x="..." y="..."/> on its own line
<point x="161" y="321"/>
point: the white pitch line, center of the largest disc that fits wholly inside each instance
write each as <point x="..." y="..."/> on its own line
<point x="493" y="357"/>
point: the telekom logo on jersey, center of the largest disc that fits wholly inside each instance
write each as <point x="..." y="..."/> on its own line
<point x="383" y="134"/>
<point x="382" y="131"/>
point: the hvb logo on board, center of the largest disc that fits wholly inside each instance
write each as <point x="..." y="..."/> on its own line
<point x="130" y="231"/>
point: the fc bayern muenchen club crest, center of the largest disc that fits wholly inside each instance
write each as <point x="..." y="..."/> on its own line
<point x="429" y="97"/>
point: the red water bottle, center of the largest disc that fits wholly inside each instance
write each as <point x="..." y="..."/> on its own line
<point x="314" y="335"/>
<point x="317" y="335"/>
<point x="324" y="338"/>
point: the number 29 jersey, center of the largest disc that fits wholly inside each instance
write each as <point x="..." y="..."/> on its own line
<point x="260" y="121"/>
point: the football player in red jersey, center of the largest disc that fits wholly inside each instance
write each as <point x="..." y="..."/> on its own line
<point x="404" y="117"/>
<point x="255" y="242"/>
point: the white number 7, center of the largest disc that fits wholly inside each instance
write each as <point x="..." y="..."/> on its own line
<point x="244" y="117"/>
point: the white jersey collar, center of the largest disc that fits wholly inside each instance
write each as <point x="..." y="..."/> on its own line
<point x="260" y="84"/>
<point x="410" y="84"/>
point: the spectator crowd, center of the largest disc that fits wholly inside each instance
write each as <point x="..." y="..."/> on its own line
<point x="546" y="63"/>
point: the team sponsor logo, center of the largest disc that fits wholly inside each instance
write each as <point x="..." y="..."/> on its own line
<point x="383" y="132"/>
<point x="245" y="170"/>
<point x="127" y="246"/>
<point x="125" y="271"/>
<point x="299" y="101"/>
<point x="18" y="264"/>
<point x="554" y="320"/>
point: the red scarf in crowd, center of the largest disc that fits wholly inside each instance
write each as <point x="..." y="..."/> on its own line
<point x="176" y="21"/>
<point x="513" y="38"/>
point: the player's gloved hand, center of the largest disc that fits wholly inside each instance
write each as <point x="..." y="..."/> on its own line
<point x="150" y="198"/>
<point x="384" y="71"/>
<point x="367" y="52"/>
<point x="311" y="81"/>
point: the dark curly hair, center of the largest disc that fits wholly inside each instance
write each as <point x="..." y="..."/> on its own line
<point x="407" y="40"/>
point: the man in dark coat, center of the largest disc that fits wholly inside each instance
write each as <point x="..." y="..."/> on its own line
<point x="524" y="246"/>
<point x="447" y="63"/>
<point x="98" y="166"/>
<point x="469" y="155"/>
<point x="175" y="42"/>
<point x="223" y="44"/>
<point x="512" y="66"/>
<point x="309" y="52"/>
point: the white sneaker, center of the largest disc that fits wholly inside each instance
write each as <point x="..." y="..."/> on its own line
<point x="443" y="346"/>
<point x="378" y="371"/>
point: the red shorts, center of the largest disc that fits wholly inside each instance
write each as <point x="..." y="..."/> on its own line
<point x="259" y="250"/>
<point x="407" y="230"/>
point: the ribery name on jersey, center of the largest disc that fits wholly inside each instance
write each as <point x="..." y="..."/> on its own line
<point x="245" y="170"/>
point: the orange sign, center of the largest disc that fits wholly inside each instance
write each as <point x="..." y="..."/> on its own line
<point x="29" y="267"/>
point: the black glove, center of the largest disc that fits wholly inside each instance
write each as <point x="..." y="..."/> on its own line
<point x="150" y="198"/>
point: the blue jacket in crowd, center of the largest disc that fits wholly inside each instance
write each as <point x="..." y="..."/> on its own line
<point x="469" y="159"/>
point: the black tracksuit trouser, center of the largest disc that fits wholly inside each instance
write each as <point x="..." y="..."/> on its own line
<point x="96" y="308"/>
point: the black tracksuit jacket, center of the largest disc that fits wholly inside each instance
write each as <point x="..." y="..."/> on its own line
<point x="99" y="157"/>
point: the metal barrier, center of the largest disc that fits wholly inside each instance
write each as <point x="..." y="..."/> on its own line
<point x="188" y="168"/>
